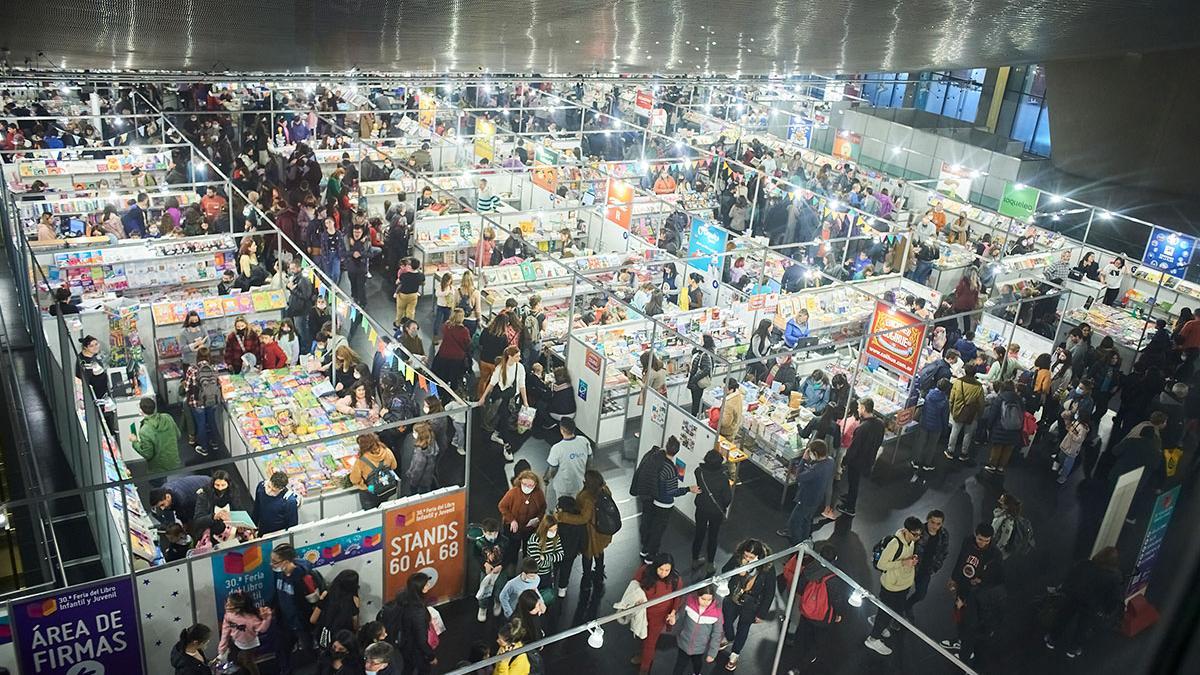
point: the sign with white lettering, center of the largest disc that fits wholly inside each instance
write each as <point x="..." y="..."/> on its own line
<point x="85" y="630"/>
<point x="427" y="535"/>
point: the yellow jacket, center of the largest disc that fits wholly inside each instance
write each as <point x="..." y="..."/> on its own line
<point x="896" y="575"/>
<point x="517" y="665"/>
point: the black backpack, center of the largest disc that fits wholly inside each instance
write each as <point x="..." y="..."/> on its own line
<point x="877" y="550"/>
<point x="608" y="516"/>
<point x="208" y="386"/>
<point x="645" y="476"/>
<point x="382" y="481"/>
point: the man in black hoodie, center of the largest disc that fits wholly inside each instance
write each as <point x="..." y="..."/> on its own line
<point x="979" y="567"/>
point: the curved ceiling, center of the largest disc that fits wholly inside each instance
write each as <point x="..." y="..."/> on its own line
<point x="569" y="36"/>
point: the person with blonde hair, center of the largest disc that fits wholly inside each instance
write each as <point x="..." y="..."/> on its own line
<point x="421" y="475"/>
<point x="467" y="300"/>
<point x="345" y="360"/>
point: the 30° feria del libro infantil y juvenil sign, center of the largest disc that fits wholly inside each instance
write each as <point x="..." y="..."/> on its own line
<point x="88" y="630"/>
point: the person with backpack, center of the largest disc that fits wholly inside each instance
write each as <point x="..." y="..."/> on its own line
<point x="932" y="373"/>
<point x="895" y="556"/>
<point x="698" y="631"/>
<point x="420" y="451"/>
<point x="337" y="609"/>
<point x="935" y="419"/>
<point x="156" y="440"/>
<point x="533" y="319"/>
<point x="276" y="507"/>
<point x="821" y="601"/>
<point x="374" y="472"/>
<point x="712" y="508"/>
<point x="597" y="511"/>
<point x="656" y="485"/>
<point x="931" y="550"/>
<point x="1005" y="426"/>
<point x="297" y="590"/>
<point x="407" y="620"/>
<point x="966" y="406"/>
<point x="1013" y="532"/>
<point x="1092" y="590"/>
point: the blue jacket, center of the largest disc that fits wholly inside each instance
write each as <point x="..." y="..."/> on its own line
<point x="812" y="485"/>
<point x="183" y="497"/>
<point x="793" y="332"/>
<point x="966" y="348"/>
<point x="816" y="394"/>
<point x="513" y="590"/>
<point x="935" y="415"/>
<point x="134" y="221"/>
<point x="926" y="379"/>
<point x="273" y="514"/>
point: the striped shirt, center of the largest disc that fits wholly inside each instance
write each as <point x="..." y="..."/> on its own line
<point x="487" y="204"/>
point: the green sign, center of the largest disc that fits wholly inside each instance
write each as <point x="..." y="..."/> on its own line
<point x="1019" y="201"/>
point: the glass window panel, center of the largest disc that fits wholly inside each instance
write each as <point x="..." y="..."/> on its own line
<point x="1025" y="120"/>
<point x="1041" y="137"/>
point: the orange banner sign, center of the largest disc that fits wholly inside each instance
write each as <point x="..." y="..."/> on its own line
<point x="428" y="536"/>
<point x="620" y="203"/>
<point x="900" y="347"/>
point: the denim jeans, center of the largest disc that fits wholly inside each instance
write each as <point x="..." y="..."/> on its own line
<point x="207" y="435"/>
<point x="1068" y="463"/>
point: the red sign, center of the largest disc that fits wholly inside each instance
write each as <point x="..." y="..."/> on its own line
<point x="644" y="101"/>
<point x="593" y="361"/>
<point x="899" y="345"/>
<point x="427" y="535"/>
<point x="620" y="203"/>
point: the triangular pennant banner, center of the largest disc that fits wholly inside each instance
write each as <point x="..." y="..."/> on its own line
<point x="409" y="374"/>
<point x="424" y="384"/>
<point x="433" y="388"/>
<point x="373" y="337"/>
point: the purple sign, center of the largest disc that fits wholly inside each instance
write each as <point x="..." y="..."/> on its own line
<point x="85" y="630"/>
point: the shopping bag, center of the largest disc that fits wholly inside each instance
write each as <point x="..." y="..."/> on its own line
<point x="525" y="418"/>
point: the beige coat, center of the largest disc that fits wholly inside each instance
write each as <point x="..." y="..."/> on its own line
<point x="731" y="415"/>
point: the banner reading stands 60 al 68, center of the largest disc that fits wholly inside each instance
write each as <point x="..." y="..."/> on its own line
<point x="86" y="630"/>
<point x="427" y="536"/>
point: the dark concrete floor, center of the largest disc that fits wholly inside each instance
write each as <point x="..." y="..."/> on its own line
<point x="886" y="499"/>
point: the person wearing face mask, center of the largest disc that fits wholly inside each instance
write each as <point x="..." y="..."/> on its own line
<point x="407" y="619"/>
<point x="217" y="498"/>
<point x="296" y="594"/>
<point x="341" y="657"/>
<point x="187" y="656"/>
<point x="527" y="579"/>
<point x="750" y="596"/>
<point x="522" y="507"/>
<point x="241" y="341"/>
<point x="276" y="507"/>
<point x="489" y="548"/>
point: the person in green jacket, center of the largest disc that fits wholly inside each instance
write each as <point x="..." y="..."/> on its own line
<point x="157" y="439"/>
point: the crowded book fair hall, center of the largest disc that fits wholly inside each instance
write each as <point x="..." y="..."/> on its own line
<point x="486" y="374"/>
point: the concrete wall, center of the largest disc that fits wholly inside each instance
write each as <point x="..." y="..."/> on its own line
<point x="1130" y="119"/>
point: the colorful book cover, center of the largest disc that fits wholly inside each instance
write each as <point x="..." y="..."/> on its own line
<point x="229" y="306"/>
<point x="212" y="308"/>
<point x="245" y="303"/>
<point x="261" y="300"/>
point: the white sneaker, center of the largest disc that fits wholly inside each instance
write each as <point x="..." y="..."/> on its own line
<point x="876" y="645"/>
<point x="508" y="456"/>
<point x="462" y="450"/>
<point x="887" y="633"/>
<point x="482" y="616"/>
<point x="496" y="610"/>
<point x="562" y="592"/>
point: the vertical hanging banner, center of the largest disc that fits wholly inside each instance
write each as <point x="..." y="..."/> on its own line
<point x="1160" y="518"/>
<point x="426" y="111"/>
<point x="84" y="630"/>
<point x="545" y="173"/>
<point x="704" y="245"/>
<point x="644" y="102"/>
<point x="899" y="349"/>
<point x="247" y="568"/>
<point x="1019" y="201"/>
<point x="427" y="536"/>
<point x="485" y="136"/>
<point x="620" y="203"/>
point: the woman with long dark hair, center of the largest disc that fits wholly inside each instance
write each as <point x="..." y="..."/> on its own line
<point x="187" y="656"/>
<point x="760" y="347"/>
<point x="657" y="578"/>
<point x="700" y="371"/>
<point x="337" y="610"/>
<point x="750" y="596"/>
<point x="413" y="635"/>
<point x="342" y="657"/>
<point x="241" y="629"/>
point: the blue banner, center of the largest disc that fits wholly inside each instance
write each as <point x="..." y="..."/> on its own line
<point x="706" y="241"/>
<point x="247" y="568"/>
<point x="1169" y="252"/>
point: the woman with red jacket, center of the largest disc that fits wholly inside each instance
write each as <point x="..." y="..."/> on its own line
<point x="966" y="296"/>
<point x="241" y="341"/>
<point x="450" y="361"/>
<point x="658" y="578"/>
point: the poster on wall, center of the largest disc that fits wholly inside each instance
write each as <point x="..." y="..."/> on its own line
<point x="1019" y="201"/>
<point x="247" y="568"/>
<point x="1169" y="252"/>
<point x="620" y="203"/>
<point x="644" y="102"/>
<point x="427" y="535"/>
<point x="900" y="347"/>
<point x="84" y="630"/>
<point x="485" y="136"/>
<point x="1156" y="530"/>
<point x="705" y="243"/>
<point x="846" y="145"/>
<point x="342" y="548"/>
<point x="954" y="181"/>
<point x="545" y="173"/>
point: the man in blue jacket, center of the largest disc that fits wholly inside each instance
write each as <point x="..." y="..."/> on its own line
<point x="275" y="506"/>
<point x="812" y="487"/>
<point x="176" y="499"/>
<point x="935" y="419"/>
<point x="135" y="221"/>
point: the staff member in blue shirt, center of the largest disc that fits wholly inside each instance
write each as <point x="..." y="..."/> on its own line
<point x="796" y="328"/>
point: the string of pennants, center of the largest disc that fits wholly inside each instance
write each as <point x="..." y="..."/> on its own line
<point x="357" y="320"/>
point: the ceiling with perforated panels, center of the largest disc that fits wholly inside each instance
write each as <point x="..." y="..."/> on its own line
<point x="568" y="36"/>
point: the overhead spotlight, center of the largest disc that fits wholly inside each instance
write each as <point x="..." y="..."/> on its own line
<point x="1105" y="215"/>
<point x="1055" y="198"/>
<point x="835" y="205"/>
<point x="723" y="588"/>
<point x="1020" y="186"/>
<point x="1055" y="218"/>
<point x="119" y="122"/>
<point x="896" y="151"/>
